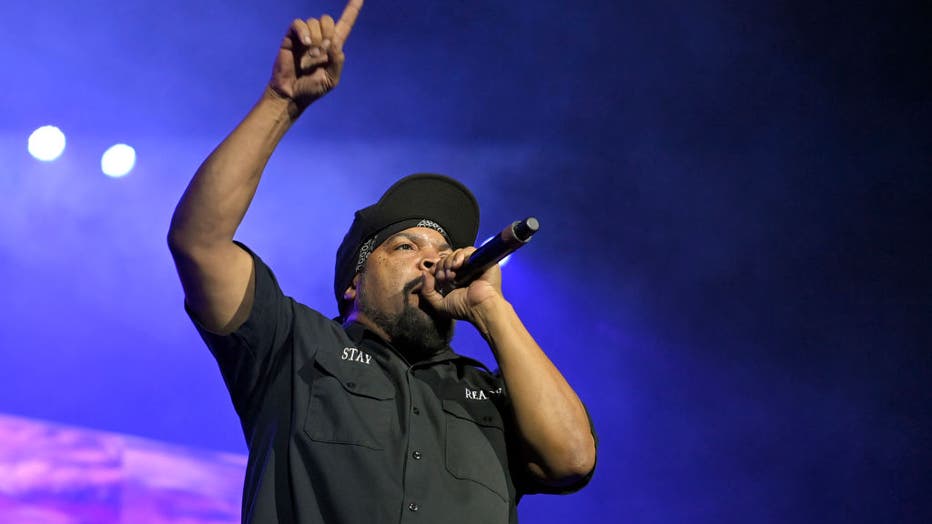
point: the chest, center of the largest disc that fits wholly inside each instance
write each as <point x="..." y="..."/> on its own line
<point x="444" y="422"/>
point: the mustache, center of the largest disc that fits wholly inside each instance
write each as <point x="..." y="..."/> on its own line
<point x="410" y="286"/>
<point x="422" y="304"/>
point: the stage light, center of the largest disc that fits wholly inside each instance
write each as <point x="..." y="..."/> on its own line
<point x="118" y="160"/>
<point x="46" y="143"/>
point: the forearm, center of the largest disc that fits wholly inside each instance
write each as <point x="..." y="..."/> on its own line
<point x="217" y="275"/>
<point x="218" y="196"/>
<point x="549" y="414"/>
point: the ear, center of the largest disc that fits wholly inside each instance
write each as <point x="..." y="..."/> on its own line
<point x="350" y="293"/>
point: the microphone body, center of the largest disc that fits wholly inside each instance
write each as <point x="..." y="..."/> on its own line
<point x="516" y="235"/>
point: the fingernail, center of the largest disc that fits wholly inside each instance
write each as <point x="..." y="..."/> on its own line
<point x="325" y="44"/>
<point x="306" y="40"/>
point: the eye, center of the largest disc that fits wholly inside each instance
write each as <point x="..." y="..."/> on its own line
<point x="404" y="246"/>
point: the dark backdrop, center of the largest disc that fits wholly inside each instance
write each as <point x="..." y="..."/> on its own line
<point x="732" y="267"/>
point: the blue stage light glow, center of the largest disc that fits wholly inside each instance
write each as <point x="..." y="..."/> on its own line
<point x="118" y="160"/>
<point x="46" y="143"/>
<point x="502" y="262"/>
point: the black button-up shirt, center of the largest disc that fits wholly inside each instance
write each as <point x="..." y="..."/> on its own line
<point x="341" y="429"/>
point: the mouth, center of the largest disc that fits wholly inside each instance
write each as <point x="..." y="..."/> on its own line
<point x="414" y="287"/>
<point x="412" y="297"/>
<point x="411" y="292"/>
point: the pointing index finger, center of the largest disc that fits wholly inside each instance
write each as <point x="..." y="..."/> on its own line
<point x="347" y="19"/>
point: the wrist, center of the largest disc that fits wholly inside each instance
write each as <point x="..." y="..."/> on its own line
<point x="281" y="103"/>
<point x="491" y="311"/>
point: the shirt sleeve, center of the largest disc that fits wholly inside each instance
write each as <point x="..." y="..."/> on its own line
<point x="250" y="357"/>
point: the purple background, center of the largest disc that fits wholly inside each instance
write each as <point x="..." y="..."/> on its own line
<point x="732" y="268"/>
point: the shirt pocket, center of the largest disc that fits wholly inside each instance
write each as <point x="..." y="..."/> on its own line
<point x="349" y="406"/>
<point x="475" y="445"/>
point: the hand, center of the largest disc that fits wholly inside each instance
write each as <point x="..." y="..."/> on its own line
<point x="461" y="303"/>
<point x="311" y="57"/>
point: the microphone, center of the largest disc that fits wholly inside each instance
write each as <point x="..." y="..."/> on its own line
<point x="516" y="235"/>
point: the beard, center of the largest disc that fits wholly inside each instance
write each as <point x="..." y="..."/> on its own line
<point x="417" y="333"/>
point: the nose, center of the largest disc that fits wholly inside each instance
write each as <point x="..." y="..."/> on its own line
<point x="428" y="261"/>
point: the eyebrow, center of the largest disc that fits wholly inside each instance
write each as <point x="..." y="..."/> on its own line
<point x="419" y="239"/>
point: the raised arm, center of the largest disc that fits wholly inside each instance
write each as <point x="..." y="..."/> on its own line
<point x="217" y="275"/>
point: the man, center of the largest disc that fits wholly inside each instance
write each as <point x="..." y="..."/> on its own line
<point x="370" y="418"/>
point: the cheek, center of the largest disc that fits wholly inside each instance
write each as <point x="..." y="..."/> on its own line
<point x="383" y="278"/>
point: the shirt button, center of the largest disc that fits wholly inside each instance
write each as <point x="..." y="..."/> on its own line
<point x="416" y="411"/>
<point x="351" y="385"/>
<point x="417" y="455"/>
<point x="413" y="507"/>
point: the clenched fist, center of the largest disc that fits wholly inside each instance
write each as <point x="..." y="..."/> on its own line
<point x="311" y="57"/>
